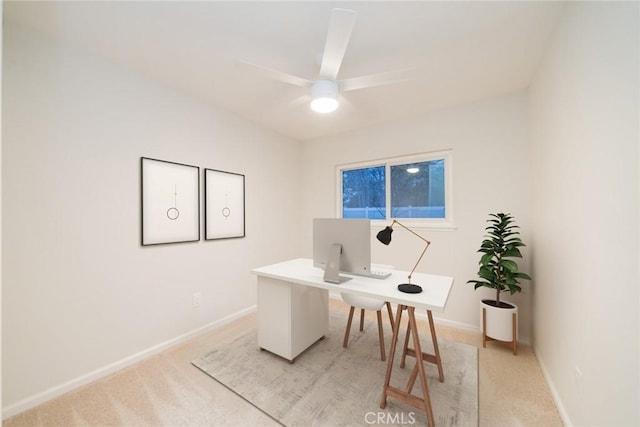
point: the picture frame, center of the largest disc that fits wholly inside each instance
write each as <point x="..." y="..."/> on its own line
<point x="169" y="202"/>
<point x="224" y="204"/>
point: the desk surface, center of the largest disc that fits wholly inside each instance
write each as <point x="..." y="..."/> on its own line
<point x="434" y="295"/>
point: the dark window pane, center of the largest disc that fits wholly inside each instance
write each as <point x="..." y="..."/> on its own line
<point x="417" y="190"/>
<point x="363" y="193"/>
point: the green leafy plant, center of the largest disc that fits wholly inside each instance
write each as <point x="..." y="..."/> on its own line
<point x="497" y="271"/>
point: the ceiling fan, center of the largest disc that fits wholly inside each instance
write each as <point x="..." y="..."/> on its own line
<point x="326" y="89"/>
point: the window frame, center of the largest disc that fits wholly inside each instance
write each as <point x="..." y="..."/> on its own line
<point x="445" y="223"/>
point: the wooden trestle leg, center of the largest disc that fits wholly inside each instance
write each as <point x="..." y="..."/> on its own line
<point x="405" y="395"/>
<point x="392" y="353"/>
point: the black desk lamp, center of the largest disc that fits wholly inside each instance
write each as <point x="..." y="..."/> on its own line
<point x="384" y="237"/>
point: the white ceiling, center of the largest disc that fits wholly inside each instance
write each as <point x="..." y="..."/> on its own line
<point x="462" y="51"/>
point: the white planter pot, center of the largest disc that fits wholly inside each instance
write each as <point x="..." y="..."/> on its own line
<point x="499" y="323"/>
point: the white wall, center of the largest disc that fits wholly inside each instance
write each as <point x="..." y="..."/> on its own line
<point x="490" y="141"/>
<point x="79" y="291"/>
<point x="80" y="294"/>
<point x="584" y="119"/>
<point x="1" y="31"/>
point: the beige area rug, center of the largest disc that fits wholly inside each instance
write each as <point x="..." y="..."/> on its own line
<point x="329" y="385"/>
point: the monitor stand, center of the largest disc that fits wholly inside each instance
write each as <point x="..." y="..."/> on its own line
<point x="332" y="269"/>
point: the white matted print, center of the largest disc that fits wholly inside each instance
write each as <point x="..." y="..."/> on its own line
<point x="170" y="202"/>
<point x="223" y="204"/>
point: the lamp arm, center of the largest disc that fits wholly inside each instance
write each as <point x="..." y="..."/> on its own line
<point x="419" y="236"/>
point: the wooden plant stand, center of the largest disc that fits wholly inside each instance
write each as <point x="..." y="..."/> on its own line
<point x="514" y="340"/>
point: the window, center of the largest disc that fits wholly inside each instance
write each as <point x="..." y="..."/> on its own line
<point x="415" y="188"/>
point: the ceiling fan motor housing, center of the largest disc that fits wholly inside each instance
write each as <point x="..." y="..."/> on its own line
<point x="324" y="94"/>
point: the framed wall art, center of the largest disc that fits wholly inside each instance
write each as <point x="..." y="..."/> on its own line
<point x="170" y="202"/>
<point x="223" y="205"/>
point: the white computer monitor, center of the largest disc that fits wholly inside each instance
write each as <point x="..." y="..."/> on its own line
<point x="353" y="236"/>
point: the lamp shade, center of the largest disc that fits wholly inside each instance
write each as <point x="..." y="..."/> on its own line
<point x="384" y="236"/>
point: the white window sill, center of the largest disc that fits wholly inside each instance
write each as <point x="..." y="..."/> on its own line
<point x="417" y="224"/>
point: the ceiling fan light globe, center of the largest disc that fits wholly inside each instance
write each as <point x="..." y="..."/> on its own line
<point x="324" y="105"/>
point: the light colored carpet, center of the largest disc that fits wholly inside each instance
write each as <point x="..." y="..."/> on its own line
<point x="329" y="385"/>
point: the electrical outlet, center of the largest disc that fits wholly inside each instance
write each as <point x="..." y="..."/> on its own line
<point x="196" y="299"/>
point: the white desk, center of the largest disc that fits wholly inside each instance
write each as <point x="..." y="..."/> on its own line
<point x="293" y="313"/>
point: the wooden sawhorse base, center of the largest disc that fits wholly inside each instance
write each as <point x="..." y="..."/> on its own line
<point x="423" y="402"/>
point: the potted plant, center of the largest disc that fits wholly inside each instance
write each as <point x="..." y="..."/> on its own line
<point x="499" y="271"/>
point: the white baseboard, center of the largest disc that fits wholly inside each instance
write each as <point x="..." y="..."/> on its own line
<point x="445" y="322"/>
<point x="75" y="383"/>
<point x="458" y="325"/>
<point x="566" y="420"/>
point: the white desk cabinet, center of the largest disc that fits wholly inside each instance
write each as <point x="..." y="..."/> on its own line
<point x="290" y="317"/>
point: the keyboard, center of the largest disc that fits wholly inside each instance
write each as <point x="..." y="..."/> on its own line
<point x="377" y="274"/>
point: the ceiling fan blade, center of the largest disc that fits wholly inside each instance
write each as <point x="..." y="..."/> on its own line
<point x="279" y="75"/>
<point x="379" y="79"/>
<point x="301" y="100"/>
<point x="340" y="27"/>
